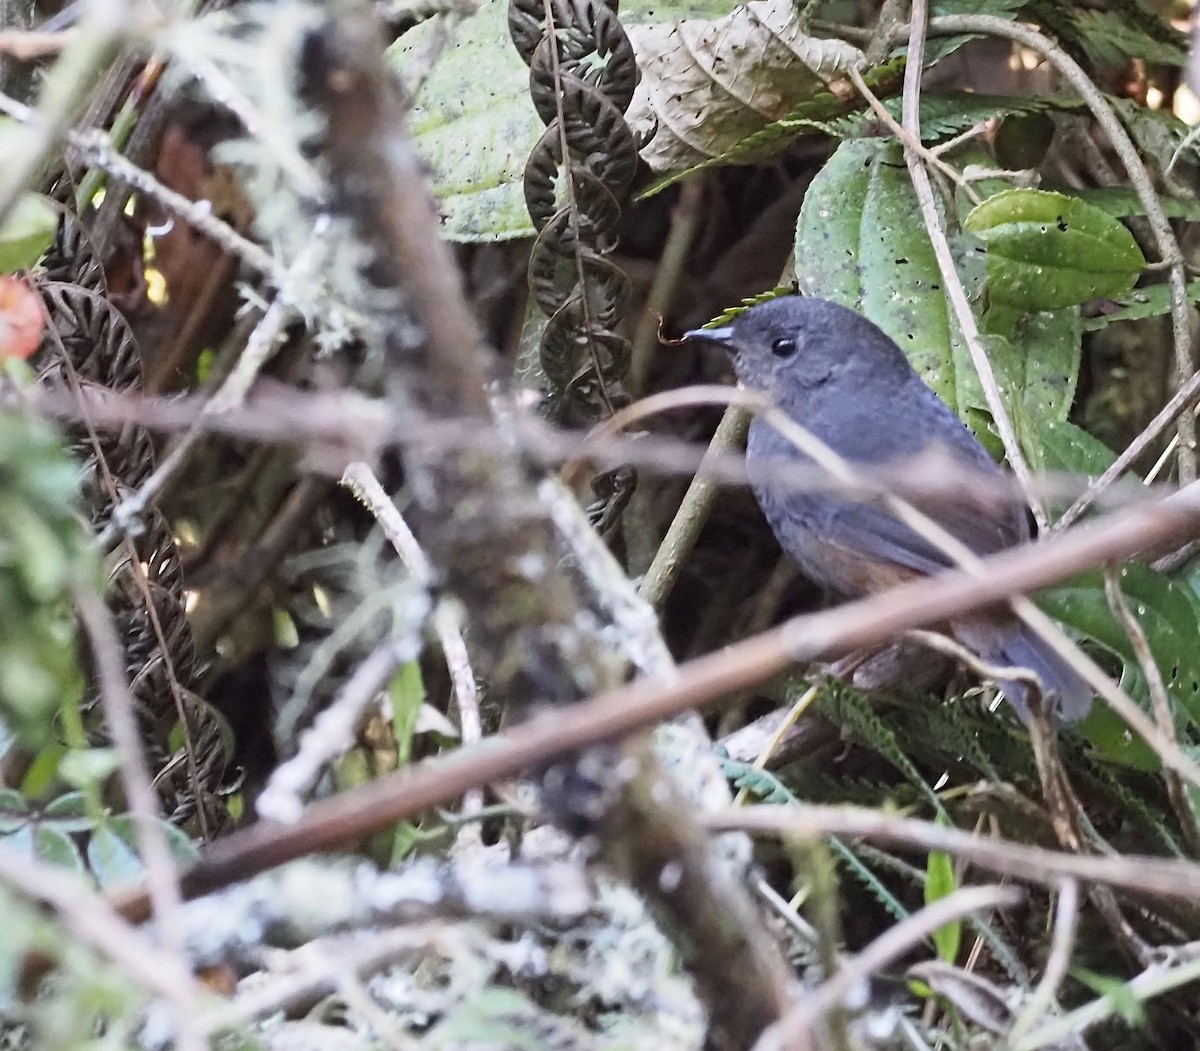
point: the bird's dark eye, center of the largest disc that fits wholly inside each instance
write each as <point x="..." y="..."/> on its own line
<point x="784" y="347"/>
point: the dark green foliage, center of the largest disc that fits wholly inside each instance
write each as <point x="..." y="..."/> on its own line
<point x="43" y="554"/>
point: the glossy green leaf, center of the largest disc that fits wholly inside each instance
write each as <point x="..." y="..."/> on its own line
<point x="1047" y="250"/>
<point x="1068" y="448"/>
<point x="861" y="242"/>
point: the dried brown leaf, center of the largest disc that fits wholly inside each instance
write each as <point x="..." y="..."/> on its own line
<point x="706" y="85"/>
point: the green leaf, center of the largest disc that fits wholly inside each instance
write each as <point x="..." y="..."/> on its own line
<point x="27" y="233"/>
<point x="867" y="877"/>
<point x="854" y="713"/>
<point x="861" y="242"/>
<point x="112" y="858"/>
<point x="1124" y="201"/>
<point x="1168" y="617"/>
<point x="46" y="843"/>
<point x="407" y="692"/>
<point x="1158" y="135"/>
<point x="939" y="47"/>
<point x="940" y="882"/>
<point x="1036" y="367"/>
<point x="1117" y="991"/>
<point x="944" y="114"/>
<point x="69" y="812"/>
<point x="44" y="552"/>
<point x="1111" y="38"/>
<point x="88" y="767"/>
<point x="474" y="125"/>
<point x="112" y="850"/>
<point x="1149" y="301"/>
<point x="727" y="315"/>
<point x="1070" y="449"/>
<point x="1047" y="250"/>
<point x="14" y="811"/>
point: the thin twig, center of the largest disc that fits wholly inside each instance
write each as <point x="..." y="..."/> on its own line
<point x="1159" y="699"/>
<point x="1166" y="242"/>
<point x="1182" y="401"/>
<point x="345" y="426"/>
<point x="1154" y="981"/>
<point x="795" y="1031"/>
<point x="945" y="259"/>
<point x="693" y="512"/>
<point x="631" y="613"/>
<point x="276" y="138"/>
<point x="361" y="481"/>
<point x="309" y="977"/>
<point x="929" y="156"/>
<point x="26" y="44"/>
<point x="140" y="575"/>
<point x="231" y="394"/>
<point x="261" y="344"/>
<point x="1024" y="608"/>
<point x="781" y="731"/>
<point x="1171" y="879"/>
<point x="1066" y="923"/>
<point x="92" y="920"/>
<point x="63" y="93"/>
<point x="984" y="669"/>
<point x="671" y="264"/>
<point x="156" y="856"/>
<point x="330" y="735"/>
<point x="97" y="149"/>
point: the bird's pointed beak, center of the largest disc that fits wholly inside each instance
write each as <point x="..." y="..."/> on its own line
<point x="723" y="336"/>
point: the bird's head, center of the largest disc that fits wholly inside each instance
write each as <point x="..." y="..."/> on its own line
<point x="797" y="343"/>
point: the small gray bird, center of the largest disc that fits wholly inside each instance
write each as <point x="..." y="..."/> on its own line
<point x="847" y="382"/>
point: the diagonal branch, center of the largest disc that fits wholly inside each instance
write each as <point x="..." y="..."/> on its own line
<point x="699" y="683"/>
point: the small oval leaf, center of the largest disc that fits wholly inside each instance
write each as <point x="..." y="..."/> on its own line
<point x="1047" y="251"/>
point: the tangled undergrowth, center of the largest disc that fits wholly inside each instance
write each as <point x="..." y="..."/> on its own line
<point x="356" y="497"/>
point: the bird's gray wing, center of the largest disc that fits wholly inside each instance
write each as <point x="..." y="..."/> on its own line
<point x="878" y="535"/>
<point x="856" y="548"/>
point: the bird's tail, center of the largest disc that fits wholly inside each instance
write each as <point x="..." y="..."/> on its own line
<point x="1068" y="698"/>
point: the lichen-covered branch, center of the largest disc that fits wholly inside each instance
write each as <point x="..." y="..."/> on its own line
<point x="495" y="546"/>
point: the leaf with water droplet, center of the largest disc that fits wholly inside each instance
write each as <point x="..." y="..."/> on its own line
<point x="1047" y="251"/>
